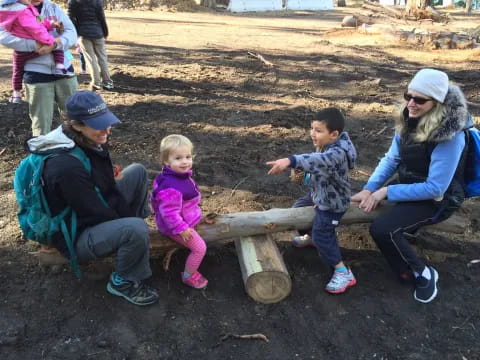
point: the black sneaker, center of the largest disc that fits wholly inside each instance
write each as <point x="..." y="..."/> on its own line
<point x="426" y="290"/>
<point x="137" y="293"/>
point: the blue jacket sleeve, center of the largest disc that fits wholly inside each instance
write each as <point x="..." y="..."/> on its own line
<point x="443" y="164"/>
<point x="387" y="166"/>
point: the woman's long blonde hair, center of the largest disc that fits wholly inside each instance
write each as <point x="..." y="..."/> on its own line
<point x="171" y="142"/>
<point x="427" y="125"/>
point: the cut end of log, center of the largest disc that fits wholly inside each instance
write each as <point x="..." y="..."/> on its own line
<point x="268" y="287"/>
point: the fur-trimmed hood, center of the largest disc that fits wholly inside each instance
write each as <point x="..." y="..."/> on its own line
<point x="444" y="121"/>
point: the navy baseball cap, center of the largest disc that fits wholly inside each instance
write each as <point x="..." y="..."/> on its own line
<point x="89" y="108"/>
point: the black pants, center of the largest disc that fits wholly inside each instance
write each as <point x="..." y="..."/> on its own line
<point x="388" y="232"/>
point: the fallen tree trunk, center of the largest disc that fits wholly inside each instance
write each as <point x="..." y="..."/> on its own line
<point x="230" y="226"/>
<point x="234" y="225"/>
<point x="385" y="9"/>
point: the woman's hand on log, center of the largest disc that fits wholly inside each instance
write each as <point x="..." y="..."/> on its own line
<point x="361" y="197"/>
<point x="186" y="235"/>
<point x="371" y="202"/>
<point x="278" y="166"/>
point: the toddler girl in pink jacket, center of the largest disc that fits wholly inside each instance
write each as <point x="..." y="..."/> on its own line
<point x="21" y="18"/>
<point x="175" y="201"/>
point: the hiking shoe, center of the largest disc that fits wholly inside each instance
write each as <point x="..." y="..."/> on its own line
<point x="94" y="87"/>
<point x="196" y="281"/>
<point x="301" y="241"/>
<point x="340" y="281"/>
<point x="15" y="100"/>
<point x="108" y="85"/>
<point x="426" y="290"/>
<point x="136" y="292"/>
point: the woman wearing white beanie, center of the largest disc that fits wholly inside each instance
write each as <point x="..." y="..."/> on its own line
<point x="427" y="153"/>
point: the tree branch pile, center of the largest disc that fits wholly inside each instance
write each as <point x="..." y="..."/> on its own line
<point x="408" y="14"/>
<point x="426" y="39"/>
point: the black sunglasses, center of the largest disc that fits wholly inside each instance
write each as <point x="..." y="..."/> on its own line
<point x="416" y="99"/>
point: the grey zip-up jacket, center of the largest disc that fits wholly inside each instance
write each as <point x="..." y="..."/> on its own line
<point x="329" y="169"/>
<point x="43" y="64"/>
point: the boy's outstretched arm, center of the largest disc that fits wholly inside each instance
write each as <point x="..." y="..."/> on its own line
<point x="278" y="165"/>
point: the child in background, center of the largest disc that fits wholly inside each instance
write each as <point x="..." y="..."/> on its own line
<point x="83" y="64"/>
<point x="21" y="18"/>
<point x="175" y="202"/>
<point x="330" y="188"/>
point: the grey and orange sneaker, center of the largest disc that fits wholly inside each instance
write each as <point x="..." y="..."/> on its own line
<point x="340" y="281"/>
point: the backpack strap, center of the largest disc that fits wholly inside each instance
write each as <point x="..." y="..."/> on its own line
<point x="70" y="234"/>
<point x="80" y="155"/>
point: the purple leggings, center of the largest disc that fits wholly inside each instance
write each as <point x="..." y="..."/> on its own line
<point x="19" y="60"/>
<point x="198" y="249"/>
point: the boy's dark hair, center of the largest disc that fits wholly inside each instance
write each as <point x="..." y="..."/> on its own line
<point x="332" y="117"/>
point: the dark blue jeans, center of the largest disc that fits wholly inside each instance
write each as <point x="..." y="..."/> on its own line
<point x="324" y="235"/>
<point x="323" y="231"/>
<point x="388" y="232"/>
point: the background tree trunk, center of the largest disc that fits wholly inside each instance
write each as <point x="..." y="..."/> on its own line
<point x="468" y="6"/>
<point x="417" y="4"/>
<point x="209" y="3"/>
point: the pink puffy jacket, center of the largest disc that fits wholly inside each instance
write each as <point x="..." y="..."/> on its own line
<point x="173" y="215"/>
<point x="23" y="23"/>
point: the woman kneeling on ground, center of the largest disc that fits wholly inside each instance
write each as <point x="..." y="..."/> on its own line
<point x="428" y="154"/>
<point x="109" y="212"/>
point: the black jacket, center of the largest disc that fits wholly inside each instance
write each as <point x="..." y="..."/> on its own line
<point x="89" y="18"/>
<point x="414" y="168"/>
<point x="68" y="183"/>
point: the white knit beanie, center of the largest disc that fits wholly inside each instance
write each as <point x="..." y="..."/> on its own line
<point x="430" y="82"/>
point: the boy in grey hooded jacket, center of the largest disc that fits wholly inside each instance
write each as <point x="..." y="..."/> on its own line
<point x="327" y="175"/>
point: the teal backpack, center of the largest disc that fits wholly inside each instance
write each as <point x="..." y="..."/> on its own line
<point x="34" y="215"/>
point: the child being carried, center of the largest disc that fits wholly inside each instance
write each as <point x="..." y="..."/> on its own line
<point x="21" y="18"/>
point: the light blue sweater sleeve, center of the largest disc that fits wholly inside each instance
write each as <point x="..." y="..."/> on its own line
<point x="387" y="166"/>
<point x="15" y="42"/>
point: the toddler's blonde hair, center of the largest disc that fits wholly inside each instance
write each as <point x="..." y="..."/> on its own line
<point x="171" y="142"/>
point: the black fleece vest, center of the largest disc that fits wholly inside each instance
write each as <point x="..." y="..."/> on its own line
<point x="414" y="165"/>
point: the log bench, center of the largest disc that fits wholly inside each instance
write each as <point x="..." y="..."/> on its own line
<point x="255" y="235"/>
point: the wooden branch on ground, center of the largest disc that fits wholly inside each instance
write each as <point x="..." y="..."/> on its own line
<point x="261" y="58"/>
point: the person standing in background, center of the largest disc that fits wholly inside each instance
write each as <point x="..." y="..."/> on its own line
<point x="88" y="17"/>
<point x="44" y="89"/>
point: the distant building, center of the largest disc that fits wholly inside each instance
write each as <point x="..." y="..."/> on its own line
<point x="275" y="5"/>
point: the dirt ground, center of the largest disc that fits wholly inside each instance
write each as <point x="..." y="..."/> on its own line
<point x="190" y="73"/>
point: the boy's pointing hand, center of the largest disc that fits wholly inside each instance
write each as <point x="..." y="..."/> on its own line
<point x="278" y="166"/>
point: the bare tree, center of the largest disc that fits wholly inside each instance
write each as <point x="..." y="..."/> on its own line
<point x="209" y="3"/>
<point x="417" y="4"/>
<point x="468" y="6"/>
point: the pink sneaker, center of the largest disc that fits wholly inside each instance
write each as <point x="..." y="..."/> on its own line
<point x="196" y="280"/>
